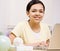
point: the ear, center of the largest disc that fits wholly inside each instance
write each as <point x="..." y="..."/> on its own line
<point x="27" y="13"/>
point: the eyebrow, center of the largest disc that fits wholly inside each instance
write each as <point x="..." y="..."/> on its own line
<point x="36" y="9"/>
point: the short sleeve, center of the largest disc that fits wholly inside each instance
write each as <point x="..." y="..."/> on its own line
<point x="17" y="30"/>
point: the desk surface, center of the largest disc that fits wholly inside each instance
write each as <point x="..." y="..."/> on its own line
<point x="29" y="48"/>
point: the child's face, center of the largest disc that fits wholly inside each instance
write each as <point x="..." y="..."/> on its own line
<point x="36" y="13"/>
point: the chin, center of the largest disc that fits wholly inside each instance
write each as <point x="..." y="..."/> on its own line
<point x="37" y="21"/>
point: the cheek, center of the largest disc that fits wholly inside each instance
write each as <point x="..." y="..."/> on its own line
<point x="31" y="14"/>
<point x="42" y="14"/>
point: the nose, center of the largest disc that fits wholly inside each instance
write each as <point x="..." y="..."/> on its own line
<point x="37" y="13"/>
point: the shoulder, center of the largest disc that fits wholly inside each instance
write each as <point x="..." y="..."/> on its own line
<point x="22" y="23"/>
<point x="19" y="28"/>
<point x="44" y="24"/>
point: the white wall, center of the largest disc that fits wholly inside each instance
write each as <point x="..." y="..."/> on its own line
<point x="3" y="14"/>
<point x="13" y="11"/>
<point x="56" y="11"/>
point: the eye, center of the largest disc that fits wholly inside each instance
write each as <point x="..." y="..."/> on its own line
<point x="33" y="10"/>
<point x="41" y="11"/>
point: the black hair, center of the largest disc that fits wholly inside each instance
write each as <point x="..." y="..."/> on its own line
<point x="34" y="2"/>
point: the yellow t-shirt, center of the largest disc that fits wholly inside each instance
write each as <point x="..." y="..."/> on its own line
<point x="24" y="31"/>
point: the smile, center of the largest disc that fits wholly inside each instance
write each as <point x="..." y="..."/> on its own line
<point x="37" y="18"/>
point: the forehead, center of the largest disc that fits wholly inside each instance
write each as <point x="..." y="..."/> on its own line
<point x="37" y="6"/>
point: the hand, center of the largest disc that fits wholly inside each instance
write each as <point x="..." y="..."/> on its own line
<point x="43" y="43"/>
<point x="38" y="44"/>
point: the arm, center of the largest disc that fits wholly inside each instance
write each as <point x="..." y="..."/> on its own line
<point x="12" y="37"/>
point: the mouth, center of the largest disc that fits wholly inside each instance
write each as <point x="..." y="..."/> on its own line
<point x="37" y="18"/>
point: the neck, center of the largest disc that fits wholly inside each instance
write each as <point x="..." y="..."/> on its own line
<point x="34" y="26"/>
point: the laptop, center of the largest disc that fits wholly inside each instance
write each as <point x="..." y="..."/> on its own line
<point x="55" y="39"/>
